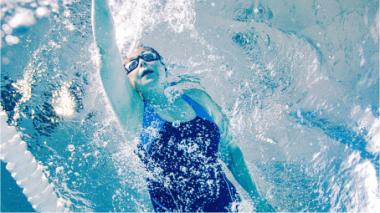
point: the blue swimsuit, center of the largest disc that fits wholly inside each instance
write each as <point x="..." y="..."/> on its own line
<point x="182" y="160"/>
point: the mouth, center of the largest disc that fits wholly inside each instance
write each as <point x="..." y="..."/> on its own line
<point x="146" y="72"/>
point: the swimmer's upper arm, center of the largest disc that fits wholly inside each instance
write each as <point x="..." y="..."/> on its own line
<point x="207" y="103"/>
<point x="124" y="99"/>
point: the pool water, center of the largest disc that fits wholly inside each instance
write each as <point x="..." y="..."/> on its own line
<point x="299" y="81"/>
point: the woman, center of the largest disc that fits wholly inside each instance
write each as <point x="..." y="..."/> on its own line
<point x="180" y="140"/>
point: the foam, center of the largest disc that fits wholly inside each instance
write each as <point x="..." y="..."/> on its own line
<point x="22" y="18"/>
<point x="12" y="40"/>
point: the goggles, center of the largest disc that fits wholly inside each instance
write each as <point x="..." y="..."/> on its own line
<point x="147" y="56"/>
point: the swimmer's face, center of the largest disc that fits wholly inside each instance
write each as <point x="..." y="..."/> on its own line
<point x="147" y="74"/>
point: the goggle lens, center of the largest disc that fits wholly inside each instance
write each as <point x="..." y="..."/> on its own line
<point x="147" y="56"/>
<point x="131" y="65"/>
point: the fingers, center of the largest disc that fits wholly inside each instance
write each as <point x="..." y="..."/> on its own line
<point x="189" y="78"/>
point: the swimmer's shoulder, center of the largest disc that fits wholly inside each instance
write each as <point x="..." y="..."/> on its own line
<point x="198" y="95"/>
<point x="204" y="99"/>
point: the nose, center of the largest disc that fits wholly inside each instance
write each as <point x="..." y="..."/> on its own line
<point x="141" y="62"/>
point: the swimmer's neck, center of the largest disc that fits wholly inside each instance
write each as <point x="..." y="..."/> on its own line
<point x="159" y="100"/>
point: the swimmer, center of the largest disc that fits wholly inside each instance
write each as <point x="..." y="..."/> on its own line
<point x="181" y="140"/>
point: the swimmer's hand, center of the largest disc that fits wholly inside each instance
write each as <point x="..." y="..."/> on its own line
<point x="186" y="78"/>
<point x="186" y="82"/>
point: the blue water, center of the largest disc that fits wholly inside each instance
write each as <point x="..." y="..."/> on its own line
<point x="299" y="81"/>
<point x="12" y="198"/>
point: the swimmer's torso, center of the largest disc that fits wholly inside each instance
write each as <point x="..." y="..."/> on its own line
<point x="182" y="160"/>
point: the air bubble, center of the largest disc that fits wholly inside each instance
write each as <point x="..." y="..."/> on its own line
<point x="71" y="148"/>
<point x="176" y="124"/>
<point x="42" y="12"/>
<point x="12" y="40"/>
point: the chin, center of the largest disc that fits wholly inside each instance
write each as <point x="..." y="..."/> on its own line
<point x="149" y="83"/>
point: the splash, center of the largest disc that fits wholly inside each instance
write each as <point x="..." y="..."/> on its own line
<point x="297" y="80"/>
<point x="63" y="102"/>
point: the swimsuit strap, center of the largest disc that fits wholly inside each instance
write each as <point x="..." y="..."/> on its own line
<point x="150" y="115"/>
<point x="199" y="109"/>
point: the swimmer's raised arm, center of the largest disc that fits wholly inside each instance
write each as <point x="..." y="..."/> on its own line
<point x="125" y="101"/>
